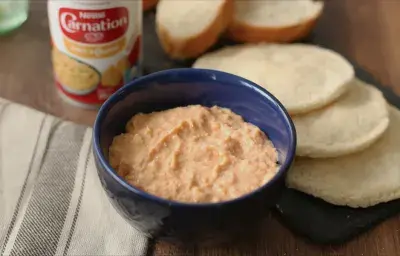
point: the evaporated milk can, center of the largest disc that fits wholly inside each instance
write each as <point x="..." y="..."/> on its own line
<point x="96" y="47"/>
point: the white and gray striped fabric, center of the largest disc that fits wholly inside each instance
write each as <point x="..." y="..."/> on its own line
<point x="51" y="200"/>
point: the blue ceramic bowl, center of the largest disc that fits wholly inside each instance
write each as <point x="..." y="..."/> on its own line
<point x="184" y="222"/>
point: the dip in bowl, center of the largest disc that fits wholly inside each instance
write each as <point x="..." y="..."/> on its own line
<point x="192" y="222"/>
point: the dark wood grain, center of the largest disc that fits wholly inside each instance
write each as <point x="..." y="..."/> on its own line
<point x="364" y="30"/>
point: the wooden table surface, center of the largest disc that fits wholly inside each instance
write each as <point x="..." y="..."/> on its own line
<point x="364" y="30"/>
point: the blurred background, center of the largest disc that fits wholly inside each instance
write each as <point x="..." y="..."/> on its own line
<point x="366" y="31"/>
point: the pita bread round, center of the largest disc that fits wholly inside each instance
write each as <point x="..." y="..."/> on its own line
<point x="303" y="77"/>
<point x="352" y="123"/>
<point x="362" y="179"/>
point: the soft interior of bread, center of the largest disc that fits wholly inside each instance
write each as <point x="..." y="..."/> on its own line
<point x="303" y="77"/>
<point x="276" y="13"/>
<point x="187" y="18"/>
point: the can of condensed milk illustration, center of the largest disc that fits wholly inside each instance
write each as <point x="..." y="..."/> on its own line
<point x="96" y="47"/>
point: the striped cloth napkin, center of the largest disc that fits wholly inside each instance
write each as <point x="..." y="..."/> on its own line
<point x="51" y="200"/>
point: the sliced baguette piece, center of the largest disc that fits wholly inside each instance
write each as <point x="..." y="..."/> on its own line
<point x="361" y="179"/>
<point x="303" y="77"/>
<point x="273" y="21"/>
<point x="186" y="29"/>
<point x="351" y="124"/>
<point x="149" y="4"/>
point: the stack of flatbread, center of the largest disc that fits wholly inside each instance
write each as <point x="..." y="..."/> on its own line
<point x="348" y="148"/>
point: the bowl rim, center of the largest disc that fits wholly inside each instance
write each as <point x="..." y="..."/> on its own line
<point x="222" y="76"/>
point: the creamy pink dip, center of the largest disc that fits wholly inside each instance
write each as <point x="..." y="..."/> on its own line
<point x="194" y="154"/>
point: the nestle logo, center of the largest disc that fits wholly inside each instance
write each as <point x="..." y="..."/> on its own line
<point x="92" y="15"/>
<point x="94" y="26"/>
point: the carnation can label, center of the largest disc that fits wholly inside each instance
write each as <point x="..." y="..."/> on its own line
<point x="96" y="47"/>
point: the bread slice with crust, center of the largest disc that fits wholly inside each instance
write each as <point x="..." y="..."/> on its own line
<point x="361" y="179"/>
<point x="303" y="77"/>
<point x="273" y="21"/>
<point x="350" y="124"/>
<point x="186" y="29"/>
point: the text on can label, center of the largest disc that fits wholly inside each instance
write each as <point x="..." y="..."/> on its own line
<point x="94" y="26"/>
